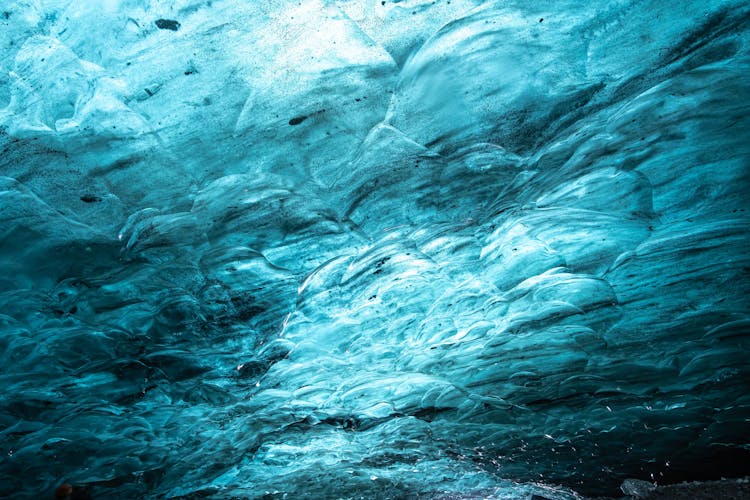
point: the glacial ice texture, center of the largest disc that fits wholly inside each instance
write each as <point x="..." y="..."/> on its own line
<point x="379" y="249"/>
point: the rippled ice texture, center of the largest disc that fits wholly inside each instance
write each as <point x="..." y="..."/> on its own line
<point x="344" y="248"/>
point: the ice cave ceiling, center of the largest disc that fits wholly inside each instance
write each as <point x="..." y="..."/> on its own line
<point x="378" y="249"/>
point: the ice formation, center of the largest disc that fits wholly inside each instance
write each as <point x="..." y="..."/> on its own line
<point x="378" y="249"/>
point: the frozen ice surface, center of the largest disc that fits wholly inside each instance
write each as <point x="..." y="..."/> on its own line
<point x="378" y="249"/>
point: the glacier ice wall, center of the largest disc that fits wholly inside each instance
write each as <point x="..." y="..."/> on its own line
<point x="337" y="248"/>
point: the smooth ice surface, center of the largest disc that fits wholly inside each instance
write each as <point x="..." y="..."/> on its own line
<point x="379" y="249"/>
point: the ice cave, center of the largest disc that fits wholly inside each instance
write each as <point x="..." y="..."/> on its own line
<point x="376" y="249"/>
